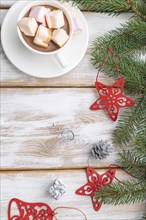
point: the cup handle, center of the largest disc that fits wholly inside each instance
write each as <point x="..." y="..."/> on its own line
<point x="61" y="60"/>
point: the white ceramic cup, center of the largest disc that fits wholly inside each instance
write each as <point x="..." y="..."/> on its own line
<point x="57" y="53"/>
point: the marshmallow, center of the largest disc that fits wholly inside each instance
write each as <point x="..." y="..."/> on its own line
<point x="55" y="19"/>
<point x="70" y="8"/>
<point x="60" y="37"/>
<point x="39" y="13"/>
<point x="76" y="25"/>
<point x="28" y="26"/>
<point x="43" y="36"/>
<point x="73" y="13"/>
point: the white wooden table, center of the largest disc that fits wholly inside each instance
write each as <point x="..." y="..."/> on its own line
<point x="34" y="114"/>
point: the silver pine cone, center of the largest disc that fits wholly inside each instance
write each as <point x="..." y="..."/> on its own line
<point x="101" y="149"/>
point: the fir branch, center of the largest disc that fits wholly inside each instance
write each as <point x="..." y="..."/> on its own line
<point x="113" y="6"/>
<point x="143" y="217"/>
<point x="128" y="43"/>
<point x="128" y="192"/>
<point x="134" y="162"/>
<point x="131" y="123"/>
<point x="140" y="143"/>
<point x="123" y="37"/>
<point x="110" y="6"/>
<point x="138" y="7"/>
<point x="133" y="158"/>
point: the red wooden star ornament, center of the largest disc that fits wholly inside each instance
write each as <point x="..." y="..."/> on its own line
<point x="111" y="98"/>
<point x="95" y="182"/>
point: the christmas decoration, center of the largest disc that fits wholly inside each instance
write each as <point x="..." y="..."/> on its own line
<point x="95" y="183"/>
<point x="113" y="7"/>
<point x="111" y="98"/>
<point x="57" y="189"/>
<point x="30" y="211"/>
<point x="34" y="211"/>
<point x="67" y="135"/>
<point x="101" y="150"/>
<point x="98" y="185"/>
<point x="73" y="13"/>
<point x="129" y="44"/>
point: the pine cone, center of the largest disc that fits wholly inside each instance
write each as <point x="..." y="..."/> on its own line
<point x="101" y="150"/>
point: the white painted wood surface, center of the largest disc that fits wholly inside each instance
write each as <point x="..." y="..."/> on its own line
<point x="32" y="186"/>
<point x="33" y="120"/>
<point x="32" y="123"/>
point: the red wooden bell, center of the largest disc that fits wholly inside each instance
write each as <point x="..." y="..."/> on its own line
<point x="27" y="211"/>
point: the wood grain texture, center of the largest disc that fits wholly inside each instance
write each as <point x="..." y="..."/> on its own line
<point x="34" y="122"/>
<point x="82" y="76"/>
<point x="33" y="187"/>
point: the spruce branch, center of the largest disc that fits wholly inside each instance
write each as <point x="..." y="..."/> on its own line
<point x="114" y="7"/>
<point x="129" y="192"/>
<point x="123" y="37"/>
<point x="138" y="7"/>
<point x="134" y="162"/>
<point x="110" y="7"/>
<point x="133" y="158"/>
<point x="128" y="43"/>
<point x="143" y="217"/>
<point x="140" y="143"/>
<point x="131" y="123"/>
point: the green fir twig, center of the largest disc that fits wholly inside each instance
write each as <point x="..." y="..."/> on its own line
<point x="129" y="192"/>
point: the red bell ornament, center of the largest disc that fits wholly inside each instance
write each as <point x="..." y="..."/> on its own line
<point x="28" y="211"/>
<point x="111" y="98"/>
<point x="34" y="211"/>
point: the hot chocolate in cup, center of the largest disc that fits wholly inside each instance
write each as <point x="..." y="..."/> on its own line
<point x="68" y="22"/>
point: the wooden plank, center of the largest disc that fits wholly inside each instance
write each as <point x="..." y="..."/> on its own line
<point x="83" y="75"/>
<point x="33" y="187"/>
<point x="51" y="128"/>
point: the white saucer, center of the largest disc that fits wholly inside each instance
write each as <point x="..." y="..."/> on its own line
<point x="43" y="66"/>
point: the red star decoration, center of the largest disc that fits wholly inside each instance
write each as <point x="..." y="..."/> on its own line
<point x="95" y="182"/>
<point x="111" y="98"/>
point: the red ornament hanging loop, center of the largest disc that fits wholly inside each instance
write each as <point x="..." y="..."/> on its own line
<point x="120" y="181"/>
<point x="66" y="207"/>
<point x="105" y="60"/>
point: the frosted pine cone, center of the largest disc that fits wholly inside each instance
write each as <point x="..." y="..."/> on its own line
<point x="101" y="150"/>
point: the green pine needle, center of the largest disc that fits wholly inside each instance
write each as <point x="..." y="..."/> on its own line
<point x="113" y="7"/>
<point x="143" y="217"/>
<point x="134" y="162"/>
<point x="110" y="6"/>
<point x="131" y="123"/>
<point x="129" y="45"/>
<point x="129" y="192"/>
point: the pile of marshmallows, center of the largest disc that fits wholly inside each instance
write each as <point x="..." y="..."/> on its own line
<point x="44" y="25"/>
